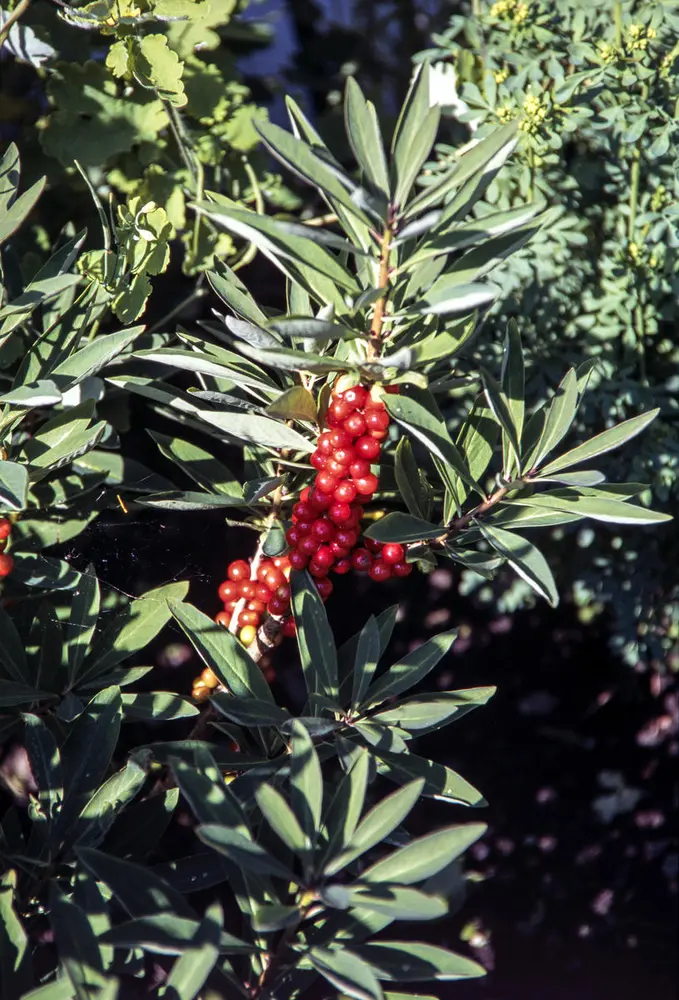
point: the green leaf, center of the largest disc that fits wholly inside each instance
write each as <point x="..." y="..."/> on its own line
<point x="12" y="656"/>
<point x="347" y="972"/>
<point x="138" y="890"/>
<point x="223" y="653"/>
<point x="513" y="391"/>
<point x="399" y="527"/>
<point x="558" y="419"/>
<point x="107" y="802"/>
<point x="45" y="761"/>
<point x="78" y="949"/>
<point x="432" y="432"/>
<point x="82" y="621"/>
<point x="426" y="712"/>
<point x="132" y="629"/>
<point x="157" y="706"/>
<point x="310" y="328"/>
<point x="242" y="852"/>
<point x="344" y="812"/>
<point x="414" y="134"/>
<point x="408" y="478"/>
<point x="394" y="901"/>
<point x="524" y="558"/>
<point x="449" y="297"/>
<point x="15" y="964"/>
<point x="306" y="782"/>
<point x="314" y="638"/>
<point x="275" y="918"/>
<point x="166" y="934"/>
<point x="476" y="441"/>
<point x="13" y="693"/>
<point x="598" y="508"/>
<point x="295" y="403"/>
<point x="440" y="782"/>
<point x="250" y="711"/>
<point x="200" y="465"/>
<point x="190" y="971"/>
<point x="137" y="831"/>
<point x="13" y="211"/>
<point x="208" y="796"/>
<point x="300" y="158"/>
<point x="368" y="650"/>
<point x="614" y="437"/>
<point x="13" y="486"/>
<point x="44" y="392"/>
<point x="425" y="856"/>
<point x="409" y="671"/>
<point x="281" y="818"/>
<point x="94" y="356"/>
<point x="377" y="825"/>
<point x="287" y="359"/>
<point x="409" y="961"/>
<point x="228" y="286"/>
<point x="364" y="135"/>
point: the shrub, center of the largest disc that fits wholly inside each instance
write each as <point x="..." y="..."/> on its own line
<point x="592" y="89"/>
<point x="298" y="846"/>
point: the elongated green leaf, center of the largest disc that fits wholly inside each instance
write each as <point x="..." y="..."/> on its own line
<point x="44" y="392"/>
<point x="296" y="403"/>
<point x="157" y="706"/>
<point x="310" y="327"/>
<point x="409" y="671"/>
<point x="136" y="887"/>
<point x="440" y="782"/>
<point x="45" y="760"/>
<point x="281" y="818"/>
<point x="233" y="292"/>
<point x="598" y="508"/>
<point x="344" y="812"/>
<point x="408" y="478"/>
<point x="132" y="629"/>
<point x="94" y="356"/>
<point x="190" y="971"/>
<point x="425" y="856"/>
<point x="208" y="796"/>
<point x="432" y="432"/>
<point x="306" y="782"/>
<point x="203" y="467"/>
<point x="250" y="711"/>
<point x="82" y="621"/>
<point x="409" y="961"/>
<point x="394" y="901"/>
<point x="14" y="212"/>
<point x="425" y="712"/>
<point x="15" y="965"/>
<point x="364" y="135"/>
<point x="559" y="417"/>
<point x="166" y="934"/>
<point x="13" y="486"/>
<point x="399" y="527"/>
<point x="314" y="638"/>
<point x="347" y="972"/>
<point x="525" y="559"/>
<point x="12" y="655"/>
<point x="367" y="656"/>
<point x="79" y="951"/>
<point x="614" y="437"/>
<point x="110" y="799"/>
<point x="514" y="389"/>
<point x="449" y="297"/>
<point x="377" y="825"/>
<point x="223" y="653"/>
<point x="290" y="360"/>
<point x="137" y="831"/>
<point x="243" y="852"/>
<point x="414" y="134"/>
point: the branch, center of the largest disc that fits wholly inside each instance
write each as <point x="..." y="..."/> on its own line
<point x="376" y="327"/>
<point x="17" y="13"/>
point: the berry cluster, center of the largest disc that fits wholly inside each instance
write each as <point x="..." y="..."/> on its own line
<point x="325" y="528"/>
<point x="6" y="561"/>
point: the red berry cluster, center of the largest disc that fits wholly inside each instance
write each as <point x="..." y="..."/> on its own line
<point x="265" y="592"/>
<point x="325" y="528"/>
<point x="6" y="561"/>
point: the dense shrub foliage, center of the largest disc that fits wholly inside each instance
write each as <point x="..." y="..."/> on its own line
<point x="378" y="427"/>
<point x="593" y="91"/>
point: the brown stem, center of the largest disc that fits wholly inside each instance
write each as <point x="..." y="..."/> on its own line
<point x="270" y="972"/>
<point x="376" y="327"/>
<point x="462" y="522"/>
<point x="18" y="12"/>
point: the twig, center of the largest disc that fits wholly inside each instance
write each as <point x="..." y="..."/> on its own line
<point x="377" y="324"/>
<point x="17" y="13"/>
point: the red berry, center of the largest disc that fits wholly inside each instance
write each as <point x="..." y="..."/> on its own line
<point x="292" y="536"/>
<point x="283" y="591"/>
<point x="344" y="456"/>
<point x="316" y="569"/>
<point x="367" y="447"/>
<point x="393" y="553"/>
<point x="340" y="409"/>
<point x="346" y="537"/>
<point x="304" y="528"/>
<point x="342" y="566"/>
<point x="361" y="560"/>
<point x="356" y="515"/>
<point x="340" y="513"/>
<point x="303" y="511"/>
<point x="324" y="557"/>
<point x="345" y="492"/>
<point x="228" y="591"/>
<point x="379" y="571"/>
<point x="263" y="593"/>
<point x="323" y="530"/>
<point x="373" y="546"/>
<point x="304" y="495"/>
<point x="331" y="420"/>
<point x="5" y="528"/>
<point x="336" y="469"/>
<point x="377" y="420"/>
<point x="402" y="569"/>
<point x="320" y="500"/>
<point x="298" y="560"/>
<point x="366" y="485"/>
<point x="378" y="435"/>
<point x="393" y="390"/>
<point x="340" y="439"/>
<point x="318" y="460"/>
<point x="324" y="587"/>
<point x="248" y="618"/>
<point x="277" y="607"/>
<point x="289" y="628"/>
<point x="355" y="424"/>
<point x="230" y="606"/>
<point x="359" y="468"/>
<point x="223" y="619"/>
<point x="357" y="396"/>
<point x="238" y="571"/>
<point x="326" y="483"/>
<point x="263" y="569"/>
<point x="248" y="589"/>
<point x="274" y="578"/>
<point x="308" y="546"/>
<point x="339" y="551"/>
<point x="325" y="445"/>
